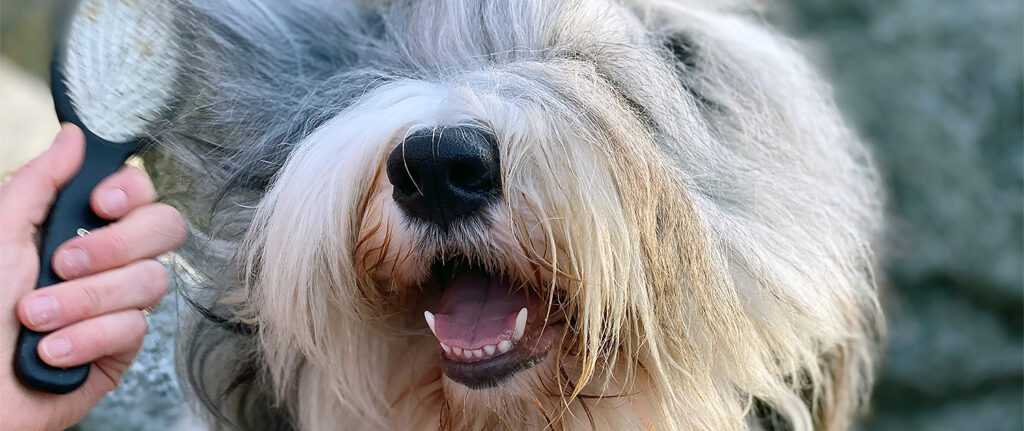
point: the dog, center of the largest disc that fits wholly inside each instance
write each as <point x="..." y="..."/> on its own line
<point x="531" y="214"/>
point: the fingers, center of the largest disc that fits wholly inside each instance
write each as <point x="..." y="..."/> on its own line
<point x="26" y="198"/>
<point x="114" y="334"/>
<point x="144" y="233"/>
<point x="118" y="194"/>
<point x="136" y="286"/>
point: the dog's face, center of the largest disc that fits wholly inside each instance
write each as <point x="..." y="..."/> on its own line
<point x="564" y="213"/>
<point x="516" y="227"/>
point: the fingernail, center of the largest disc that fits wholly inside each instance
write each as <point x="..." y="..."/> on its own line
<point x="73" y="262"/>
<point x="56" y="348"/>
<point x="113" y="201"/>
<point x="41" y="310"/>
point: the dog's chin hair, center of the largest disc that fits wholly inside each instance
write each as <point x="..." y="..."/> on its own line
<point x="675" y="173"/>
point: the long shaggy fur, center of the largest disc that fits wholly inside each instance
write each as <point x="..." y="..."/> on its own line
<point x="675" y="178"/>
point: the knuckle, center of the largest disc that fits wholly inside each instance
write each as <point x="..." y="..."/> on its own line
<point x="139" y="175"/>
<point x="135" y="344"/>
<point x="32" y="171"/>
<point x="136" y="180"/>
<point x="91" y="301"/>
<point x="121" y="332"/>
<point x="175" y="222"/>
<point x="101" y="340"/>
<point x="116" y="247"/>
<point x="156" y="279"/>
<point x="137" y="325"/>
<point x="27" y="172"/>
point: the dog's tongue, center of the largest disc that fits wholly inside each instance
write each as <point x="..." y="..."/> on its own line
<point x="477" y="309"/>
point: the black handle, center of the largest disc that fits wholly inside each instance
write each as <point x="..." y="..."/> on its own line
<point x="70" y="212"/>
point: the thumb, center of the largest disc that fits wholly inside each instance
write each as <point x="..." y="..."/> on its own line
<point x="26" y="198"/>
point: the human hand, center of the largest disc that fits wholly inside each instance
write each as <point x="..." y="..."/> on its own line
<point x="110" y="276"/>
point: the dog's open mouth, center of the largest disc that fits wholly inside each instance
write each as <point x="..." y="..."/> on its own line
<point x="489" y="327"/>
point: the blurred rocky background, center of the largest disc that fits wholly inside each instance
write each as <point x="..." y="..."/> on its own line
<point x="937" y="86"/>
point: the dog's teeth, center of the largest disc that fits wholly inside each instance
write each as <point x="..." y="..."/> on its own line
<point x="457" y="351"/>
<point x="430" y="321"/>
<point x="446" y="348"/>
<point x="468" y="354"/>
<point x="489" y="349"/>
<point x="520" y="325"/>
<point x="478" y="353"/>
<point x="504" y="346"/>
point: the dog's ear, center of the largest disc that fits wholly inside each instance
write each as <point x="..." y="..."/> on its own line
<point x="257" y="77"/>
<point x="765" y="107"/>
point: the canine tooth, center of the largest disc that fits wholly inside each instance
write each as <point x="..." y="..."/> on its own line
<point x="489" y="349"/>
<point x="478" y="353"/>
<point x="504" y="346"/>
<point x="457" y="350"/>
<point x="446" y="348"/>
<point x="520" y="325"/>
<point x="430" y="321"/>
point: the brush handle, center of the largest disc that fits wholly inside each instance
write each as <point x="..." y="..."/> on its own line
<point x="70" y="212"/>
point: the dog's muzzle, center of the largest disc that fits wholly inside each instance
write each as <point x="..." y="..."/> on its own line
<point x="488" y="326"/>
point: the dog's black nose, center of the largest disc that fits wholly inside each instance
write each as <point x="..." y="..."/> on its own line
<point x="445" y="174"/>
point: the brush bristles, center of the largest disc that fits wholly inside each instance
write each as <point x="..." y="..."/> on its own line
<point x="120" y="65"/>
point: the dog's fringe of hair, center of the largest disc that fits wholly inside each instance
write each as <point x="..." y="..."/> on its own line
<point x="704" y="160"/>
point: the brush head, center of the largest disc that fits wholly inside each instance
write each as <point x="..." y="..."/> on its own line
<point x="118" y="65"/>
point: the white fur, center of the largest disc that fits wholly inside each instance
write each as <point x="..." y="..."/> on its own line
<point x="709" y="224"/>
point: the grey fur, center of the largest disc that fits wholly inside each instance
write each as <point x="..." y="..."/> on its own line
<point x="261" y="76"/>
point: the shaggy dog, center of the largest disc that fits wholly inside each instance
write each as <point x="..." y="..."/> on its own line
<point x="488" y="214"/>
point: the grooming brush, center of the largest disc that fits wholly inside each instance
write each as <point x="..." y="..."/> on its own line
<point x="112" y="72"/>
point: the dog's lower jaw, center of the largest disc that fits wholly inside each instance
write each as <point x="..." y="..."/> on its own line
<point x="427" y="400"/>
<point x="492" y="372"/>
